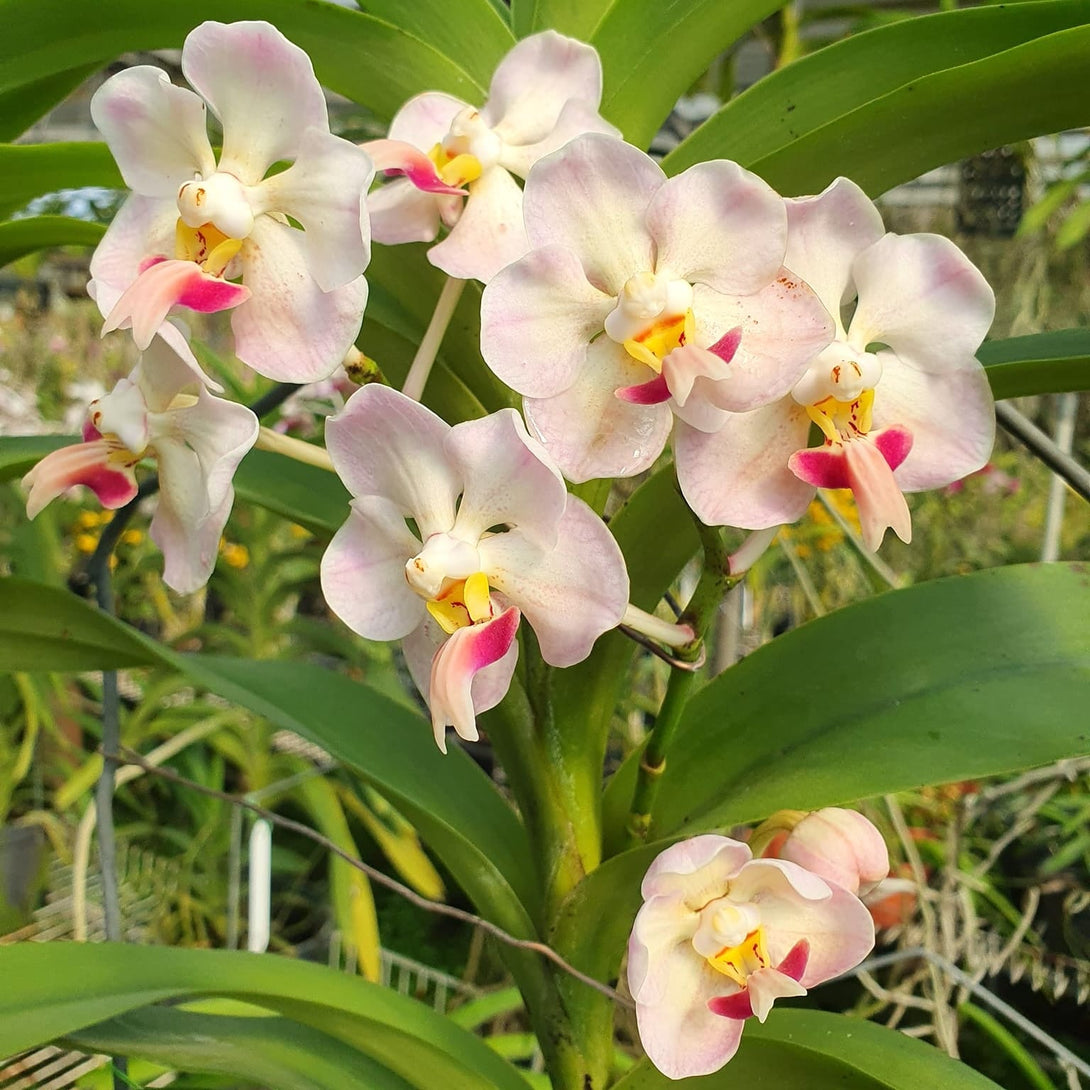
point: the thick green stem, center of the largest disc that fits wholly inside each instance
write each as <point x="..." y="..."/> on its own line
<point x="420" y="368"/>
<point x="715" y="581"/>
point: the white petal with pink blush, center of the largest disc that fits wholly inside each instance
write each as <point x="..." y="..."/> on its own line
<point x="678" y="281"/>
<point x="457" y="533"/>
<point x="721" y="937"/>
<point x="454" y="164"/>
<point x="264" y="92"/>
<point x="162" y="411"/>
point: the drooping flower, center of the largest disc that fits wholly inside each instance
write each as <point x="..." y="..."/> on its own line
<point x="192" y="225"/>
<point x="163" y="410"/>
<point x="494" y="536"/>
<point x="836" y="844"/>
<point x="899" y="395"/>
<point x="643" y="298"/>
<point x="720" y="937"/>
<point x="459" y="162"/>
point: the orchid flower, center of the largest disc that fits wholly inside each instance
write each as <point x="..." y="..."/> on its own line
<point x="899" y="396"/>
<point x="459" y="162"/>
<point x="720" y="937"/>
<point x="192" y="225"/>
<point x="162" y="410"/>
<point x="494" y="536"/>
<point x="643" y="298"/>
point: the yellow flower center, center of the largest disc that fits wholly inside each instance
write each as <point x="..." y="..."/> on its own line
<point x="737" y="962"/>
<point x="463" y="603"/>
<point x="455" y="169"/>
<point x="207" y="245"/>
<point x="840" y="420"/>
<point x="658" y="340"/>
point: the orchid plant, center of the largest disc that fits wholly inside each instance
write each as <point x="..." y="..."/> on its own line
<point x="731" y="327"/>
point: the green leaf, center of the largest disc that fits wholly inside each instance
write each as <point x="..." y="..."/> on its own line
<point x="30" y="170"/>
<point x="312" y="497"/>
<point x="473" y="32"/>
<point x="455" y="807"/>
<point x="21" y="237"/>
<point x="652" y="52"/>
<point x="577" y="18"/>
<point x="1042" y="363"/>
<point x="24" y="105"/>
<point x="921" y="79"/>
<point x="348" y="47"/>
<point x="53" y="990"/>
<point x="969" y="676"/>
<point x="48" y="628"/>
<point x="820" y="1051"/>
<point x="273" y="1052"/>
<point x="20" y="453"/>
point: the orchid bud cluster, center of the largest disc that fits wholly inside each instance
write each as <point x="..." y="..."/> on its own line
<point x="630" y="310"/>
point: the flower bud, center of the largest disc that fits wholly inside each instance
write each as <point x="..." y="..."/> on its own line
<point x="841" y="846"/>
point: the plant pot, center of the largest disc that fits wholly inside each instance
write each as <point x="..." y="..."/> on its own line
<point x="23" y="874"/>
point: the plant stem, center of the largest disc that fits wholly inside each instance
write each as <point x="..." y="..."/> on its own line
<point x="1040" y="444"/>
<point x="420" y="369"/>
<point x="715" y="580"/>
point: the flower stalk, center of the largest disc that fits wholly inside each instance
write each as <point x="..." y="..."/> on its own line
<point x="297" y="449"/>
<point x="420" y="368"/>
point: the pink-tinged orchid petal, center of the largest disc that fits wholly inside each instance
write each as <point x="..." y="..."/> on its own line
<point x="763" y="988"/>
<point x="425" y="119"/>
<point x="88" y="464"/>
<point x="861" y="464"/>
<point x="490" y="684"/>
<point x="400" y="157"/>
<point x="323" y="189"/>
<point x="533" y="83"/>
<point x="921" y="296"/>
<point x="654" y="392"/>
<point x="399" y="212"/>
<point x="456" y="664"/>
<point x="156" y="131"/>
<point x="738" y="476"/>
<point x="825" y="234"/>
<point x="509" y="480"/>
<point x="166" y="369"/>
<point x="705" y="372"/>
<point x="783" y="327"/>
<point x="951" y="418"/>
<point x="590" y="432"/>
<point x="385" y="444"/>
<point x="751" y="550"/>
<point x="570" y="594"/>
<point x="489" y="233"/>
<point x="716" y="859"/>
<point x="541" y="308"/>
<point x="261" y="87"/>
<point x="681" y="1036"/>
<point x="841" y="846"/>
<point x="164" y="284"/>
<point x="591" y="196"/>
<point x="122" y="413"/>
<point x="363" y="572"/>
<point x="798" y="905"/>
<point x="189" y="553"/>
<point x="576" y="118"/>
<point x="143" y="226"/>
<point x="290" y="330"/>
<point x="719" y="225"/>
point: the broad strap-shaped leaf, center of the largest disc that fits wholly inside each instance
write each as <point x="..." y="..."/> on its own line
<point x="1041" y="363"/>
<point x="274" y="1052"/>
<point x="349" y="48"/>
<point x="55" y="989"/>
<point x="884" y="106"/>
<point x="455" y="807"/>
<point x="969" y="676"/>
<point x="820" y="1051"/>
<point x="309" y="496"/>
<point x="30" y="170"/>
<point x="653" y="52"/>
<point x="20" y="453"/>
<point x="49" y="628"/>
<point x="27" y="236"/>
<point x="23" y="105"/>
